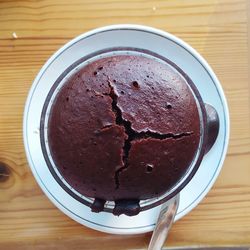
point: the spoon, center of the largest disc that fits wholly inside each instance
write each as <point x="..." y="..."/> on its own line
<point x="164" y="223"/>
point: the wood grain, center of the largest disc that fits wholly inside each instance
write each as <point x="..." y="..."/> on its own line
<point x="218" y="29"/>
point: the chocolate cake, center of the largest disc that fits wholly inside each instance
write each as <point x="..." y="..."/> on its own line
<point x="124" y="128"/>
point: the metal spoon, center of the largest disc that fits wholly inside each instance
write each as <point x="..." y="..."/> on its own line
<point x="164" y="223"/>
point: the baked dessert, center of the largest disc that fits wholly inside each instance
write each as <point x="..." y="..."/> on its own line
<point x="124" y="128"/>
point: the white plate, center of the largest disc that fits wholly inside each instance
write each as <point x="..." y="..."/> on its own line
<point x="141" y="37"/>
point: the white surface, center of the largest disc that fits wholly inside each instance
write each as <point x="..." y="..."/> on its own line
<point x="141" y="37"/>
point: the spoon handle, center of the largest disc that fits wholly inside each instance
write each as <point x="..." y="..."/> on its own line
<point x="164" y="223"/>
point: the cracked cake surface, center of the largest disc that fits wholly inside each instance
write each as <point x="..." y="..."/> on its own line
<point x="124" y="127"/>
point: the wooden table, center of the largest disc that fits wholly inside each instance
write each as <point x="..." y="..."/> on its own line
<point x="30" y="31"/>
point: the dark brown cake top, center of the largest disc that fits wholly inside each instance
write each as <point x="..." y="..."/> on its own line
<point x="124" y="127"/>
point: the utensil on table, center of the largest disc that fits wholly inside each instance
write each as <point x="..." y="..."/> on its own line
<point x="164" y="223"/>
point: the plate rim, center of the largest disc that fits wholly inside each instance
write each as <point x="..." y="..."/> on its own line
<point x="203" y="63"/>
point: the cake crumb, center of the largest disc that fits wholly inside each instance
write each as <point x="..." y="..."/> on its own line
<point x="36" y="131"/>
<point x="154" y="8"/>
